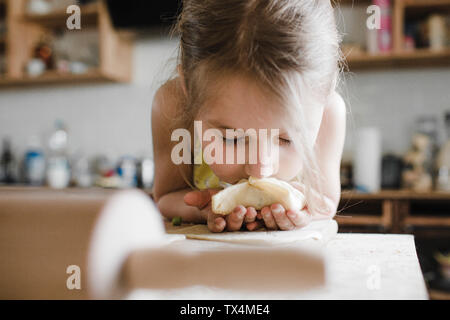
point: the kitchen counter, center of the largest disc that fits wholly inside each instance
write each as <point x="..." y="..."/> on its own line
<point x="358" y="266"/>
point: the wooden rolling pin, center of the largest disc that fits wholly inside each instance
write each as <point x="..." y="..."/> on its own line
<point x="119" y="243"/>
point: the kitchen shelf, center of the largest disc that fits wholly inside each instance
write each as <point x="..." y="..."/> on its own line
<point x="395" y="195"/>
<point x="57" y="19"/>
<point x="418" y="57"/>
<point x="25" y="30"/>
<point x="396" y="211"/>
<point x="54" y="77"/>
<point x="399" y="57"/>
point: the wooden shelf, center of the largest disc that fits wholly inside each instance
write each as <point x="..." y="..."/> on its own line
<point x="427" y="221"/>
<point x="395" y="195"/>
<point x="418" y="57"/>
<point x="399" y="57"/>
<point x="425" y="3"/>
<point x="26" y="30"/>
<point x="397" y="211"/>
<point x="53" y="77"/>
<point x="358" y="220"/>
<point x="57" y="19"/>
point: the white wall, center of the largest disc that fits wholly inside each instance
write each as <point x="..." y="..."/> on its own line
<point x="114" y="119"/>
<point x="392" y="101"/>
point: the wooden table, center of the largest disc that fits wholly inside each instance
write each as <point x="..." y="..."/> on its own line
<point x="358" y="266"/>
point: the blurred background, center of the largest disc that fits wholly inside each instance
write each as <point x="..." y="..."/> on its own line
<point x="75" y="105"/>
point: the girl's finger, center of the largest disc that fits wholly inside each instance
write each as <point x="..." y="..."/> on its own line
<point x="250" y="215"/>
<point x="255" y="225"/>
<point x="259" y="216"/>
<point x="216" y="223"/>
<point x="199" y="198"/>
<point x="300" y="218"/>
<point x="235" y="219"/>
<point x="279" y="213"/>
<point x="269" y="221"/>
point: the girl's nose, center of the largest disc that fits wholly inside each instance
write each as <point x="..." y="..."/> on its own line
<point x="259" y="170"/>
<point x="265" y="165"/>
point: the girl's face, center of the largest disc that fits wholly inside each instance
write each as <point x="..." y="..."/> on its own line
<point x="238" y="103"/>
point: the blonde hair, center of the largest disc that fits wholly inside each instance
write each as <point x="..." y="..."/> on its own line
<point x="290" y="47"/>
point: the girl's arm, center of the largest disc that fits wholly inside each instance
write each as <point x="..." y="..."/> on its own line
<point x="169" y="186"/>
<point x="172" y="205"/>
<point x="329" y="147"/>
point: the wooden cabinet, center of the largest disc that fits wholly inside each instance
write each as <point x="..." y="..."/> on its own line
<point x="24" y="30"/>
<point x="425" y="214"/>
<point x="401" y="10"/>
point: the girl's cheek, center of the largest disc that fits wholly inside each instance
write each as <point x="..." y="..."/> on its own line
<point x="231" y="172"/>
<point x="289" y="165"/>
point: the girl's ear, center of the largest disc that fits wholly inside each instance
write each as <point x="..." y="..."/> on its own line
<point x="181" y="75"/>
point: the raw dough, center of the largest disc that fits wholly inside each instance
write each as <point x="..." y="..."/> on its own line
<point x="320" y="231"/>
<point x="258" y="193"/>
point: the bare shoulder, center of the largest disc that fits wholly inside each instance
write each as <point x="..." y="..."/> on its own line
<point x="336" y="107"/>
<point x="166" y="101"/>
<point x="168" y="176"/>
<point x="333" y="126"/>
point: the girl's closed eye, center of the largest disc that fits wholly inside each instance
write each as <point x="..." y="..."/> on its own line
<point x="232" y="140"/>
<point x="284" y="141"/>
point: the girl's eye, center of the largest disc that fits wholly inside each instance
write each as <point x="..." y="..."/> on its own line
<point x="285" y="141"/>
<point x="230" y="141"/>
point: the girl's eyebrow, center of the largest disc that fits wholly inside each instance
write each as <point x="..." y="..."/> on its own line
<point x="219" y="125"/>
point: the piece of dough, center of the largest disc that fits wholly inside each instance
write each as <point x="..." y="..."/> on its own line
<point x="319" y="232"/>
<point x="258" y="193"/>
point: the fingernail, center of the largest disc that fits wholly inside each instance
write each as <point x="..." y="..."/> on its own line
<point x="277" y="209"/>
<point x="240" y="213"/>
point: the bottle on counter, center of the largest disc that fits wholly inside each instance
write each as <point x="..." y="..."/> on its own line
<point x="34" y="163"/>
<point x="127" y="171"/>
<point x="145" y="173"/>
<point x="82" y="172"/>
<point x="58" y="168"/>
<point x="7" y="164"/>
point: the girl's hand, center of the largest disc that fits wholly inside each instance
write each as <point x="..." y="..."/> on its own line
<point x="218" y="223"/>
<point x="276" y="217"/>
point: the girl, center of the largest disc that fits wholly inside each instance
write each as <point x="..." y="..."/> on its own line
<point x="253" y="64"/>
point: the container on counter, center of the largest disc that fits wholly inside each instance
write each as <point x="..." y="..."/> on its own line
<point x="385" y="31"/>
<point x="127" y="171"/>
<point x="58" y="167"/>
<point x="8" y="165"/>
<point x="391" y="167"/>
<point x="82" y="173"/>
<point x="367" y="160"/>
<point x="146" y="173"/>
<point x="34" y="163"/>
